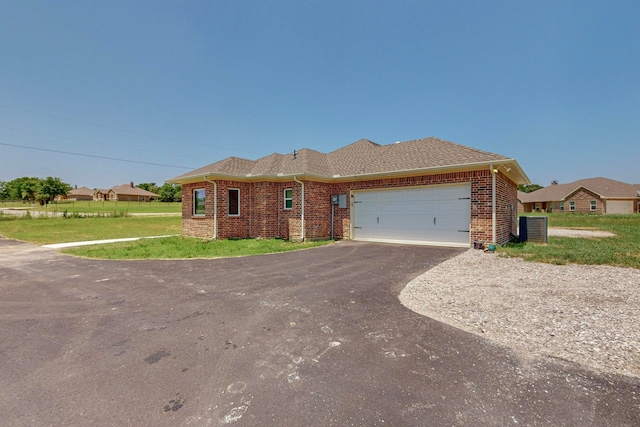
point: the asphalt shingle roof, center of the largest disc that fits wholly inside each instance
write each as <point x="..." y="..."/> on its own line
<point x="359" y="158"/>
<point x="82" y="191"/>
<point x="129" y="190"/>
<point x="605" y="187"/>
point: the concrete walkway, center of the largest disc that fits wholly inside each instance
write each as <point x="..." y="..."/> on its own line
<point x="100" y="242"/>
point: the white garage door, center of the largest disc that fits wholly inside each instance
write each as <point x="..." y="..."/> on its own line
<point x="619" y="206"/>
<point x="439" y="215"/>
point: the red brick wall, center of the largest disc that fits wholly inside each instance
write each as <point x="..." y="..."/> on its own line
<point x="197" y="226"/>
<point x="262" y="212"/>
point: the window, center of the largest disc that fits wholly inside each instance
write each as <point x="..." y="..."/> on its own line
<point x="572" y="206"/>
<point x="234" y="202"/>
<point x="537" y="207"/>
<point x="198" y="202"/>
<point x="594" y="206"/>
<point x="561" y="206"/>
<point x="288" y="198"/>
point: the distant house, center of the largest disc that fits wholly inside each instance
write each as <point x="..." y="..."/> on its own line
<point x="591" y="195"/>
<point x="124" y="193"/>
<point x="82" y="193"/>
<point x="100" y="194"/>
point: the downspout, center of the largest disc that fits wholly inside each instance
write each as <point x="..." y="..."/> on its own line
<point x="215" y="207"/>
<point x="302" y="212"/>
<point x="494" y="172"/>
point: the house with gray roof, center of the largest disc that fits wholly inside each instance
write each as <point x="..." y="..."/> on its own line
<point x="425" y="191"/>
<point x="592" y="195"/>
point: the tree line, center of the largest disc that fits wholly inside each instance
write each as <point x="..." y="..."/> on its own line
<point x="44" y="191"/>
<point x="166" y="193"/>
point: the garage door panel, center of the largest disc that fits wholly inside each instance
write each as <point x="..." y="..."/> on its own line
<point x="437" y="214"/>
<point x="619" y="207"/>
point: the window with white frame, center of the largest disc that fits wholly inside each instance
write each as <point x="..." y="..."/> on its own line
<point x="593" y="206"/>
<point x="198" y="202"/>
<point x="537" y="207"/>
<point x="572" y="206"/>
<point x="561" y="206"/>
<point x="288" y="198"/>
<point x="234" y="202"/>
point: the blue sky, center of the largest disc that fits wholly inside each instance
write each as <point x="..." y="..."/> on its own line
<point x="553" y="84"/>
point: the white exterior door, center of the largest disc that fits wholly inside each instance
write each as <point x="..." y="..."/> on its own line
<point x="438" y="215"/>
<point x="619" y="206"/>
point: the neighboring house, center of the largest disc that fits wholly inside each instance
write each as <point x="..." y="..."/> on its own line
<point x="101" y="194"/>
<point x="82" y="193"/>
<point x="124" y="193"/>
<point x="426" y="191"/>
<point x="592" y="195"/>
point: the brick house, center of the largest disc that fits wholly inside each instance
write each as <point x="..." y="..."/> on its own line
<point x="425" y="191"/>
<point x="82" y="193"/>
<point x="591" y="195"/>
<point x="124" y="193"/>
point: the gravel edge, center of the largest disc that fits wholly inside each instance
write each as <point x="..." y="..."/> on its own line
<point x="581" y="313"/>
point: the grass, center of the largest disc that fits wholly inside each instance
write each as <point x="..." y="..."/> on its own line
<point x="71" y="229"/>
<point x="60" y="230"/>
<point x="100" y="207"/>
<point x="188" y="247"/>
<point x="623" y="250"/>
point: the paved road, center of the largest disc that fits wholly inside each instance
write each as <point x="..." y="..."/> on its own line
<point x="312" y="338"/>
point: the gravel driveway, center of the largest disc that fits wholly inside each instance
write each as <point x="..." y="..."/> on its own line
<point x="585" y="314"/>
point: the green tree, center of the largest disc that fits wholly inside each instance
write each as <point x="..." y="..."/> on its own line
<point x="31" y="189"/>
<point x="170" y="192"/>
<point x="4" y="190"/>
<point x="24" y="188"/>
<point x="51" y="187"/>
<point x="149" y="186"/>
<point x="529" y="188"/>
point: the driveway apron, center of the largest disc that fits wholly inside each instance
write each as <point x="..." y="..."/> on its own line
<point x="309" y="338"/>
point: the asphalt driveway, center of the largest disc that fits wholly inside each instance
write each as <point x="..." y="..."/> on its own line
<point x="310" y="338"/>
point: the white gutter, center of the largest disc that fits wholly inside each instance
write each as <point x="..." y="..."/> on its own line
<point x="302" y="213"/>
<point x="493" y="203"/>
<point x="215" y="206"/>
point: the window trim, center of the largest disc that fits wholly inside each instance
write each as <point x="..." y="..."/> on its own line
<point x="561" y="206"/>
<point x="593" y="205"/>
<point x="536" y="207"/>
<point x="288" y="199"/>
<point x="229" y="190"/>
<point x="572" y="206"/>
<point x="194" y="202"/>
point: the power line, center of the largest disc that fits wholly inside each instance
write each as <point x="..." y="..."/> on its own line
<point x="93" y="142"/>
<point x="112" y="127"/>
<point x="96" y="124"/>
<point x="95" y="157"/>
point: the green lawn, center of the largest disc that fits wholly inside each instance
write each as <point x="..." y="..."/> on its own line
<point x="60" y="230"/>
<point x="188" y="247"/>
<point x="129" y="207"/>
<point x="99" y="207"/>
<point x="623" y="250"/>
